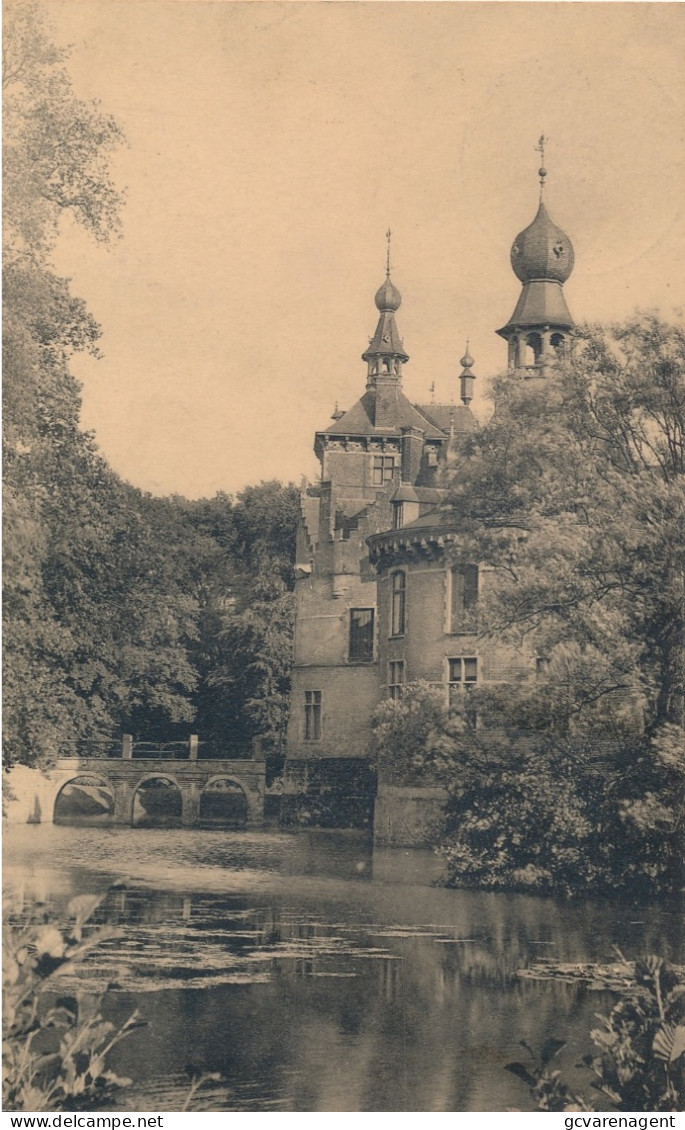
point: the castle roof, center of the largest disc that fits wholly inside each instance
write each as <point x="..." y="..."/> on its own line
<point x="359" y="420"/>
<point x="446" y="415"/>
<point x="434" y="529"/>
<point x="541" y="303"/>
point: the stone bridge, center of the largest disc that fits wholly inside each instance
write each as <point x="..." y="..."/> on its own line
<point x="35" y="794"/>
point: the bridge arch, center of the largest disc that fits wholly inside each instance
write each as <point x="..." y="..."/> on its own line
<point x="225" y="801"/>
<point x="85" y="798"/>
<point x="36" y="793"/>
<point x="157" y="800"/>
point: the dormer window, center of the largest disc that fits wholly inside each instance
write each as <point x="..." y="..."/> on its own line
<point x="397" y="515"/>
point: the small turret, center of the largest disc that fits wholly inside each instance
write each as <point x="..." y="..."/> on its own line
<point x="467" y="377"/>
<point x="385" y="354"/>
<point x="542" y="259"/>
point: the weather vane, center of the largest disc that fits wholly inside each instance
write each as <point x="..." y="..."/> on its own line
<point x="388" y="236"/>
<point x="540" y="148"/>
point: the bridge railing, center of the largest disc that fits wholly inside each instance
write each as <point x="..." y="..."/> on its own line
<point x="91" y="747"/>
<point x="130" y="748"/>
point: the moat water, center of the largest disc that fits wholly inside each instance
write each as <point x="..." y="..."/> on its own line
<point x="316" y="974"/>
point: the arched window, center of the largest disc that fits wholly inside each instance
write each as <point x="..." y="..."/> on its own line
<point x="398" y="603"/>
<point x="558" y="343"/>
<point x="533" y="349"/>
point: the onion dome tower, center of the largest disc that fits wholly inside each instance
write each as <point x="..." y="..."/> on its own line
<point x="385" y="354"/>
<point x="467" y="377"/>
<point x="542" y="258"/>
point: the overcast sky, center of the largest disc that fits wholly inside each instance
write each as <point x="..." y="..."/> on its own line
<point x="270" y="146"/>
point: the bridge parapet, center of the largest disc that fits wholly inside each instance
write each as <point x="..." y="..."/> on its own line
<point x="195" y="749"/>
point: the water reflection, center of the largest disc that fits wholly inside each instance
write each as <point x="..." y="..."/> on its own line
<point x="316" y="975"/>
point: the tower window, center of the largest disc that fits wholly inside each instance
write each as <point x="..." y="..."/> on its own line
<point x="533" y="348"/>
<point x="398" y="604"/>
<point x="463" y="597"/>
<point x="361" y="634"/>
<point x="397" y="515"/>
<point x="462" y="675"/>
<point x="558" y="344"/>
<point x="312" y="716"/>
<point x="383" y="469"/>
<point x="395" y="678"/>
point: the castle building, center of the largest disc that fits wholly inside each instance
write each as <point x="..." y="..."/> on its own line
<point x="384" y="596"/>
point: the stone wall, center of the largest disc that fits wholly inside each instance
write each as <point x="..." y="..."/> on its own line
<point x="408" y="816"/>
<point x="335" y="793"/>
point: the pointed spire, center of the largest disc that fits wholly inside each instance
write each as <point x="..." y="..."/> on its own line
<point x="388" y="236"/>
<point x="467" y="377"/>
<point x="542" y="171"/>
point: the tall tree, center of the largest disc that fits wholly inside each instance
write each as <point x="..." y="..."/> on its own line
<point x="245" y="651"/>
<point x="96" y="626"/>
<point x="573" y="496"/>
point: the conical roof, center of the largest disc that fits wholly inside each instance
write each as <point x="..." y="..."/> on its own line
<point x="386" y="341"/>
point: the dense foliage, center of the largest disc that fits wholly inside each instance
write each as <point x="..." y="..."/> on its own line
<point x="573" y="496"/>
<point x="573" y="499"/>
<point x="122" y="612"/>
<point x="639" y="1058"/>
<point x="538" y="811"/>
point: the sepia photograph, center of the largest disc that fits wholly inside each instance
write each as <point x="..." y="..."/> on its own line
<point x="344" y="559"/>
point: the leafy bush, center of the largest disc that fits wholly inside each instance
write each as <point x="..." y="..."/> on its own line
<point x="537" y="810"/>
<point x="55" y="1046"/>
<point x="639" y="1058"/>
<point x="413" y="738"/>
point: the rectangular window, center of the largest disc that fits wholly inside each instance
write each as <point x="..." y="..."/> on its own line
<point x="541" y="668"/>
<point x="398" y="603"/>
<point x="397" y="515"/>
<point x="463" y="597"/>
<point x="395" y="677"/>
<point x="361" y="634"/>
<point x="312" y="716"/>
<point x="383" y="469"/>
<point x="463" y="674"/>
